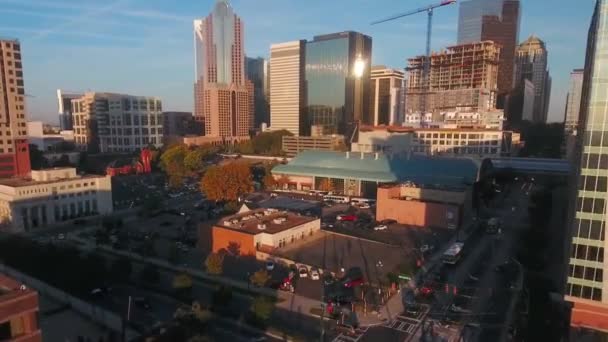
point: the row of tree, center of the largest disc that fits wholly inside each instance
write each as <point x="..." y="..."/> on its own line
<point x="180" y="161"/>
<point x="267" y="143"/>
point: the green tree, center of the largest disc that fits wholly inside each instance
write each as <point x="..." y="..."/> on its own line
<point x="326" y="185"/>
<point x="214" y="263"/>
<point x="172" y="163"/>
<point x="194" y="160"/>
<point x="261" y="308"/>
<point x="260" y="278"/>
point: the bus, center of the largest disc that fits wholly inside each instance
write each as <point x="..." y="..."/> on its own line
<point x="493" y="225"/>
<point x="453" y="254"/>
<point x="336" y="199"/>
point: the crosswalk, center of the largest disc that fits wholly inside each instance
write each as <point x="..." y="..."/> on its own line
<point x="406" y="323"/>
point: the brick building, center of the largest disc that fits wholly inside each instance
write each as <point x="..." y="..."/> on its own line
<point x="261" y="229"/>
<point x="18" y="312"/>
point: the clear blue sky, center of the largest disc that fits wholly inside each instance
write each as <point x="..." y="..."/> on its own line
<point x="144" y="47"/>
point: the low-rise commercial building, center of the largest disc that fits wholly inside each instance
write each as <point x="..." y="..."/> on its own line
<point x="470" y="142"/>
<point x="18" y="312"/>
<point x="423" y="205"/>
<point x="52" y="196"/>
<point x="359" y="174"/>
<point x="261" y="229"/>
<point x="293" y="145"/>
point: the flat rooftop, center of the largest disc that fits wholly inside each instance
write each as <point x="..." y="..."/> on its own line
<point x="269" y="221"/>
<point x="7" y="285"/>
<point x="23" y="182"/>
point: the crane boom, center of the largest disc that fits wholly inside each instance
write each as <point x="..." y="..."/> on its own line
<point x="420" y="10"/>
<point x="429" y="10"/>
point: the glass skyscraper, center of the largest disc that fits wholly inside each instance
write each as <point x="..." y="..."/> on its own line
<point x="338" y="81"/>
<point x="495" y="20"/>
<point x="587" y="279"/>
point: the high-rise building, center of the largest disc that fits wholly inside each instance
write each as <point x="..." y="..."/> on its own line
<point x="573" y="106"/>
<point x="258" y="73"/>
<point x="14" y="150"/>
<point x="386" y="91"/>
<point x="460" y="76"/>
<point x="338" y="82"/>
<point x="64" y="100"/>
<point x="587" y="277"/>
<point x="495" y="20"/>
<point x="106" y="122"/>
<point x="531" y="64"/>
<point x="223" y="97"/>
<point x="287" y="75"/>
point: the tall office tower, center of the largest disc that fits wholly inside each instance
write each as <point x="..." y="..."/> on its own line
<point x="386" y="92"/>
<point x="460" y="76"/>
<point x="587" y="278"/>
<point x="573" y="106"/>
<point x="64" y="100"/>
<point x="495" y="20"/>
<point x="14" y="150"/>
<point x="338" y="82"/>
<point x="106" y="122"/>
<point x="287" y="75"/>
<point x="531" y="64"/>
<point x="257" y="72"/>
<point x="223" y="98"/>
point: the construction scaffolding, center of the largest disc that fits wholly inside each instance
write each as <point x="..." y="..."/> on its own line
<point x="461" y="75"/>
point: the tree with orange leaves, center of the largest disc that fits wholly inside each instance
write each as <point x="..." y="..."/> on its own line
<point x="227" y="182"/>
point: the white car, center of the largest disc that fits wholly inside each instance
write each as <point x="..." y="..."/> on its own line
<point x="364" y="206"/>
<point x="303" y="272"/>
<point x="314" y="274"/>
<point x="381" y="227"/>
<point x="269" y="265"/>
<point x="61" y="237"/>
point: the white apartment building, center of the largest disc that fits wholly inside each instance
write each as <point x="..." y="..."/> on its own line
<point x="469" y="142"/>
<point x="386" y="90"/>
<point x="453" y="119"/>
<point x="287" y="86"/>
<point x="52" y="196"/>
<point x="106" y="122"/>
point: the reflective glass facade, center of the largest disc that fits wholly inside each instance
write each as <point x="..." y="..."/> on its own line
<point x="336" y="97"/>
<point x="587" y="276"/>
<point x="495" y="20"/>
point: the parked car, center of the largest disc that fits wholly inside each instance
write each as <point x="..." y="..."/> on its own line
<point x="388" y="222"/>
<point x="61" y="237"/>
<point x="364" y="206"/>
<point x="352" y="278"/>
<point x="381" y="227"/>
<point x="269" y="265"/>
<point x="344" y="217"/>
<point x="314" y="274"/>
<point x="303" y="272"/>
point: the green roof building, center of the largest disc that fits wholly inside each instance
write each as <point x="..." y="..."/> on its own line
<point x="358" y="174"/>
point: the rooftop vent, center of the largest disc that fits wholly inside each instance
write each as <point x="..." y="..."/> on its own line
<point x="226" y="223"/>
<point x="261" y="226"/>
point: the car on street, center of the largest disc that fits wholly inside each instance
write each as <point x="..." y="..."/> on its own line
<point x="380" y="227"/>
<point x="352" y="278"/>
<point x="269" y="265"/>
<point x="426" y="290"/>
<point x="303" y="272"/>
<point x="61" y="237"/>
<point x="364" y="206"/>
<point x="314" y="274"/>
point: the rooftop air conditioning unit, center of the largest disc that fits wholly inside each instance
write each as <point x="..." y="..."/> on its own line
<point x="226" y="223"/>
<point x="261" y="226"/>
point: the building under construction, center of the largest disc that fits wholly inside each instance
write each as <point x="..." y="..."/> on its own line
<point x="461" y="76"/>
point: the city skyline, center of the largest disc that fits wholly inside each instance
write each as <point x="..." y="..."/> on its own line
<point x="121" y="63"/>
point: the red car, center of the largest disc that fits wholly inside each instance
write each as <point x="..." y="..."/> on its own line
<point x="353" y="282"/>
<point x="350" y="218"/>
